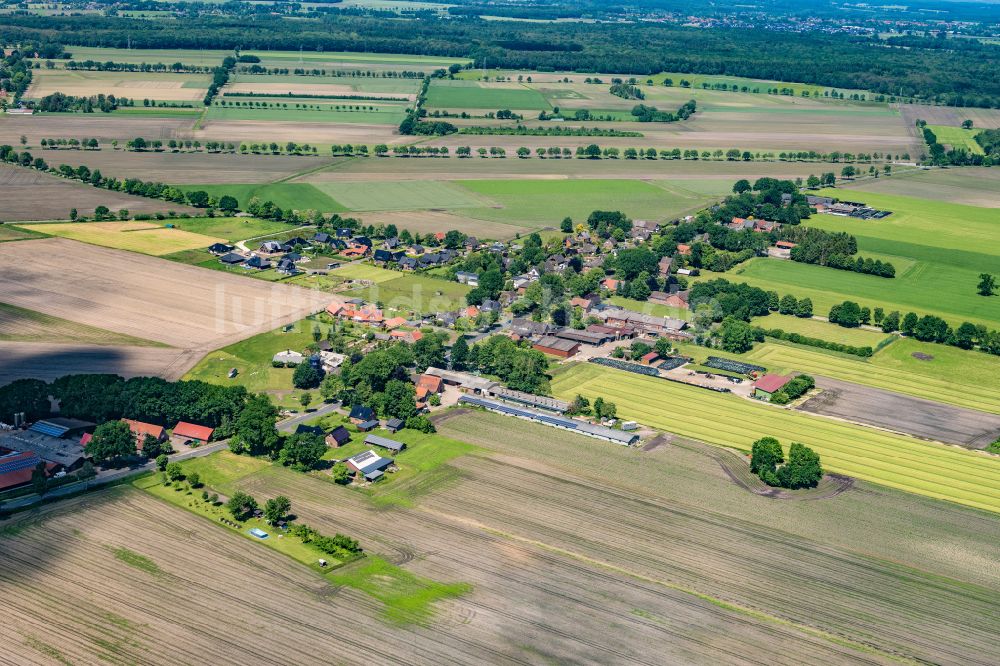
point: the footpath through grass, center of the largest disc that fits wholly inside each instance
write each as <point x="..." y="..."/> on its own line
<point x="934" y="470"/>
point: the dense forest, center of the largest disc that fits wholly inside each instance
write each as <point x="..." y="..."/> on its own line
<point x="957" y="76"/>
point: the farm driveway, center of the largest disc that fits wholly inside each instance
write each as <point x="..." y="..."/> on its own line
<point x="915" y="416"/>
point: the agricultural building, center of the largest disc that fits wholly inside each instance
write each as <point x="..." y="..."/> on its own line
<point x="768" y="385"/>
<point x="369" y="464"/>
<point x="580" y="427"/>
<point x="556" y="346"/>
<point x="385" y="443"/>
<point x="141" y="429"/>
<point x="191" y="433"/>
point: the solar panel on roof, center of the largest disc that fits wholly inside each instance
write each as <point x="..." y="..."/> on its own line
<point x="49" y="429"/>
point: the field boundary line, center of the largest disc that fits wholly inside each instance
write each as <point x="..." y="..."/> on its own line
<point x="315" y="169"/>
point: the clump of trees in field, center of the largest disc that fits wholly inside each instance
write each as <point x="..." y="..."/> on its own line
<point x="832" y="249"/>
<point x="802" y="469"/>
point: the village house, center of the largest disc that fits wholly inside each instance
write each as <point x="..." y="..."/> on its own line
<point x="191" y="434"/>
<point x="677" y="299"/>
<point x="645" y="324"/>
<point x="666" y="263"/>
<point x="140" y="429"/>
<point x="370" y="465"/>
<point x="556" y="346"/>
<point x="338" y="437"/>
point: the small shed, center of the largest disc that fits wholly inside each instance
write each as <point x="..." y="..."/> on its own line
<point x="765" y="387"/>
<point x="366" y="426"/>
<point x="395" y="425"/>
<point x="191" y="433"/>
<point x="385" y="443"/>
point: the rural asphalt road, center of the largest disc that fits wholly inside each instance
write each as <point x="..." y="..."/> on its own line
<point x="288" y="425"/>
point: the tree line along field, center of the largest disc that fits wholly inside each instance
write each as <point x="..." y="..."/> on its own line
<point x="892" y="460"/>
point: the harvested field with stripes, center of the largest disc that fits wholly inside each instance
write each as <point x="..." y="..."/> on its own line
<point x="893" y="460"/>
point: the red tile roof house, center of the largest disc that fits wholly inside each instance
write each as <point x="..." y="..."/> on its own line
<point x="16" y="468"/>
<point x="191" y="434"/>
<point x="140" y="430"/>
<point x="683" y="249"/>
<point x="768" y="385"/>
<point x="431" y="383"/>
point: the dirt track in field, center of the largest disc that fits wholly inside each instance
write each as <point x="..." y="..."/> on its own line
<point x="29" y="195"/>
<point x="902" y="413"/>
<point x="194" y="310"/>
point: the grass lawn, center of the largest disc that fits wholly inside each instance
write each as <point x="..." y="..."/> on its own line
<point x="385" y="115"/>
<point x="532" y="202"/>
<point x="297" y="196"/>
<point x="23" y="325"/>
<point x="445" y="94"/>
<point x="401" y="195"/>
<point x="413" y="293"/>
<point x="954" y="376"/>
<point x="956" y="137"/>
<point x="362" y="271"/>
<point x="143" y="237"/>
<point x="905" y="463"/>
<point x="230" y="228"/>
<point x="655" y="309"/>
<point x="816" y="328"/>
<point x="252" y="359"/>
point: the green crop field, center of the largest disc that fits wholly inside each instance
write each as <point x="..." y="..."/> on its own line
<point x="900" y="462"/>
<point x="411" y="294"/>
<point x="946" y="374"/>
<point x="297" y="196"/>
<point x="401" y="195"/>
<point x="445" y="94"/>
<point x="382" y="115"/>
<point x="360" y="271"/>
<point x="816" y="328"/>
<point x="315" y="59"/>
<point x="956" y="137"/>
<point x="359" y="84"/>
<point x="533" y="202"/>
<point x="230" y="228"/>
<point x="191" y="57"/>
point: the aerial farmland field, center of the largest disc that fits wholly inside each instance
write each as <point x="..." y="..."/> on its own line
<point x="145" y="237"/>
<point x="169" y="87"/>
<point x="893" y="460"/>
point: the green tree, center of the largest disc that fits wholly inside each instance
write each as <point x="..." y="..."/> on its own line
<point x="151" y="447"/>
<point x="890" y="323"/>
<point x="909" y="323"/>
<point x="39" y="478"/>
<point x="803" y="469"/>
<point x="302" y="451"/>
<point x="987" y="285"/>
<point x="737" y="335"/>
<point x="305" y="399"/>
<point x="276" y="508"/>
<point x="765" y="456"/>
<point x="804" y="308"/>
<point x="228" y="204"/>
<point x="174" y="471"/>
<point x="341" y="473"/>
<point x="566" y="226"/>
<point x="331" y="387"/>
<point x="787" y="304"/>
<point x="241" y="505"/>
<point x="741" y="186"/>
<point x="111" y="441"/>
<point x="194" y="479"/>
<point x="306" y="376"/>
<point x="459" y="354"/>
<point x="161" y="462"/>
<point x="255" y="432"/>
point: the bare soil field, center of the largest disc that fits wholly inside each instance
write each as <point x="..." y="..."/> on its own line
<point x="902" y="413"/>
<point x="51" y="360"/>
<point x="972" y="186"/>
<point x="134" y="85"/>
<point x="718" y="539"/>
<point x="949" y="115"/>
<point x="216" y="598"/>
<point x="190" y="168"/>
<point x="427" y="221"/>
<point x="312" y="133"/>
<point x="102" y="126"/>
<point x="32" y="195"/>
<point x="179" y="305"/>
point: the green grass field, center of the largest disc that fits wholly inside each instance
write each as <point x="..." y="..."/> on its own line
<point x="956" y="137"/>
<point x="385" y="115"/>
<point x="152" y="56"/>
<point x="252" y="359"/>
<point x="11" y="233"/>
<point x="533" y="202"/>
<point x="816" y="328"/>
<point x="900" y="462"/>
<point x="939" y="249"/>
<point x="401" y="195"/>
<point x="360" y="84"/>
<point x="359" y="271"/>
<point x="457" y="94"/>
<point x="655" y="309"/>
<point x="297" y="196"/>
<point x="953" y="376"/>
<point x="402" y="294"/>
<point x="231" y="228"/>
